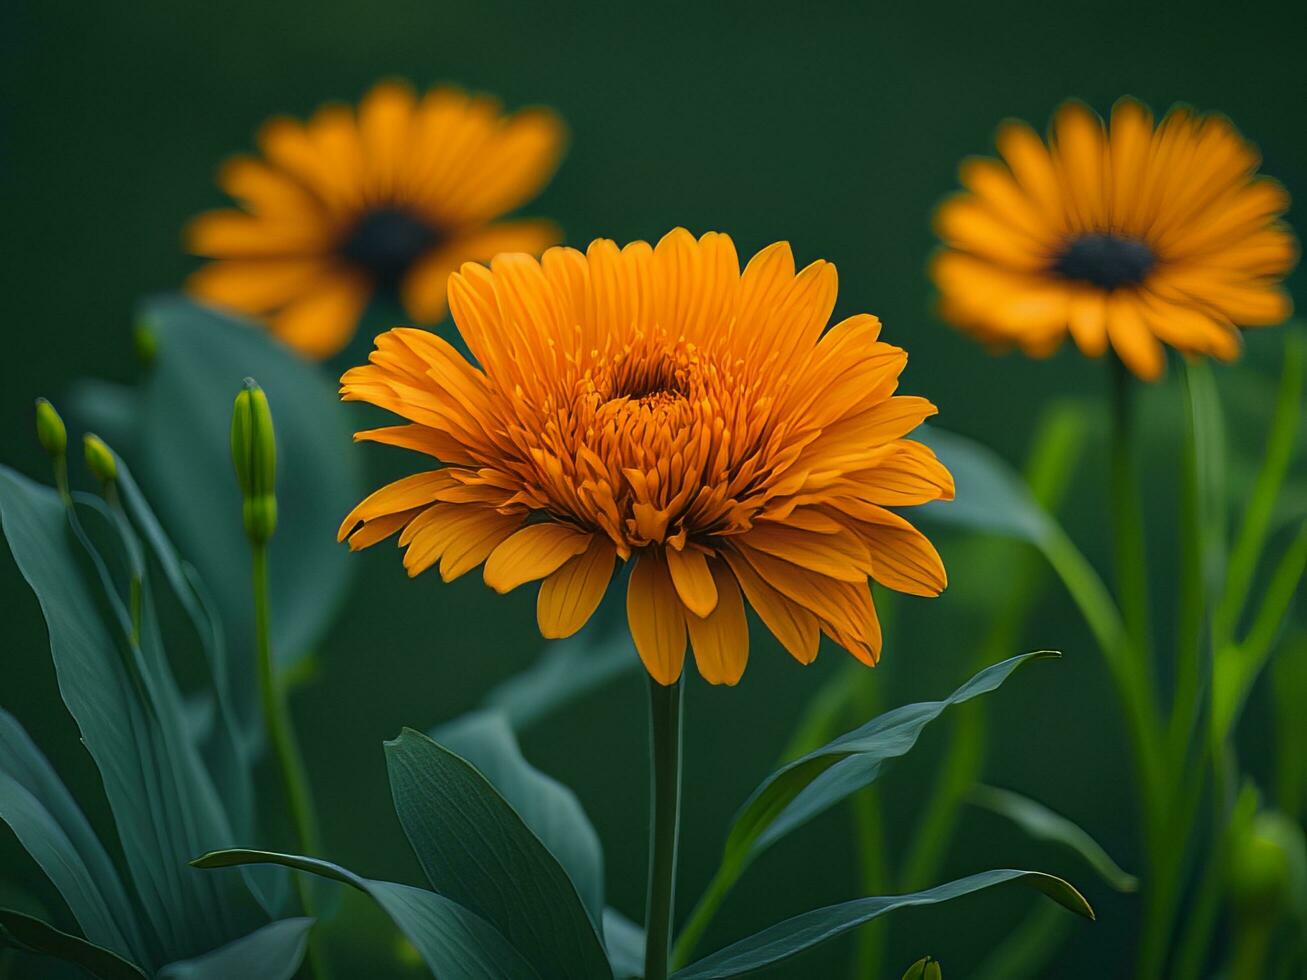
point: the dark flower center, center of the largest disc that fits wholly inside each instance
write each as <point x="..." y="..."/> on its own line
<point x="1106" y="261"/>
<point x="386" y="242"/>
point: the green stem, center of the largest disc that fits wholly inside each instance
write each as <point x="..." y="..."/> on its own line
<point x="285" y="750"/>
<point x="1127" y="517"/>
<point x="665" y="824"/>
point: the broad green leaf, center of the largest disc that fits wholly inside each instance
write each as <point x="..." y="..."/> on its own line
<point x="476" y="850"/>
<point x="127" y="707"/>
<point x="52" y="828"/>
<point x="546" y="806"/>
<point x="224" y="751"/>
<point x="454" y="942"/>
<point x="991" y="496"/>
<point x="1041" y="823"/>
<point x="624" y="941"/>
<point x="273" y="952"/>
<point x="786" y="939"/>
<point x="567" y="670"/>
<point x="797" y="792"/>
<point x="184" y="433"/>
<point x="19" y="931"/>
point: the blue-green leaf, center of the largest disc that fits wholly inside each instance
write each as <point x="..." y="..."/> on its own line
<point x="567" y="670"/>
<point x="52" y="828"/>
<point x="185" y="428"/>
<point x="127" y="706"/>
<point x="991" y="496"/>
<point x="454" y="942"/>
<point x="1042" y="823"/>
<point x="477" y="851"/>
<point x="273" y="952"/>
<point x="624" y="941"/>
<point x="793" y="936"/>
<point x="545" y="805"/>
<point x="19" y="931"/>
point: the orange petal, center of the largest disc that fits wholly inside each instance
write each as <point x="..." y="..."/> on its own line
<point x="569" y="597"/>
<point x="721" y="639"/>
<point x="693" y="580"/>
<point x="656" y="617"/>
<point x="320" y="323"/>
<point x="794" y="626"/>
<point x="532" y="553"/>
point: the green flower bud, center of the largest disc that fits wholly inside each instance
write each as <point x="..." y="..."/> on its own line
<point x="50" y="429"/>
<point x="254" y="455"/>
<point x="926" y="968"/>
<point x="99" y="458"/>
<point x="1268" y="865"/>
<point x="145" y="342"/>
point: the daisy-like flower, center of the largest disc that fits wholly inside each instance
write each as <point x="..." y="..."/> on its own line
<point x="659" y="406"/>
<point x="1127" y="235"/>
<point x="393" y="198"/>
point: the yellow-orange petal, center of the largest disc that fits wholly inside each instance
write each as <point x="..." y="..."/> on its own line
<point x="656" y="618"/>
<point x="412" y="491"/>
<point x="569" y="597"/>
<point x="533" y="553"/>
<point x="693" y="580"/>
<point x="320" y="323"/>
<point x="721" y="639"/>
<point x="794" y="626"/>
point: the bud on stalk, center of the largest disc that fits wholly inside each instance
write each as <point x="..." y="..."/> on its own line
<point x="254" y="455"/>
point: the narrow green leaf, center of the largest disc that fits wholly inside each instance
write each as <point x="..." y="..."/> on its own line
<point x="1041" y="823"/>
<point x="455" y="943"/>
<point x="273" y="952"/>
<point x="183" y="434"/>
<point x="797" y="792"/>
<point x="52" y="828"/>
<point x="545" y="805"/>
<point x="19" y="931"/>
<point x="476" y="850"/>
<point x="791" y="937"/>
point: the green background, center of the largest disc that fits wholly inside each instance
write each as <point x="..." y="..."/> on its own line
<point x="837" y="128"/>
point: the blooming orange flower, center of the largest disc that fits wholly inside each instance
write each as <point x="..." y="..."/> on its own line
<point x="1130" y="235"/>
<point x="394" y="199"/>
<point x="658" y="405"/>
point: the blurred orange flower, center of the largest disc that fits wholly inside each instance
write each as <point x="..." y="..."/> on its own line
<point x="395" y="197"/>
<point x="658" y="405"/>
<point x="1127" y="235"/>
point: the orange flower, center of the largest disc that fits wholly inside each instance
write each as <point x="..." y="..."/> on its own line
<point x="658" y="405"/>
<point x="1130" y="235"/>
<point x="394" y="199"/>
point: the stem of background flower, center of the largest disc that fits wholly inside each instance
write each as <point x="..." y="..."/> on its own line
<point x="1129" y="554"/>
<point x="285" y="749"/>
<point x="665" y="824"/>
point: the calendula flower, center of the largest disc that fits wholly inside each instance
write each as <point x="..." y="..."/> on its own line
<point x="1126" y="235"/>
<point x="395" y="198"/>
<point x="659" y="406"/>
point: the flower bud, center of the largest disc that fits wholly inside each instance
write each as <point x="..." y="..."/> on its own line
<point x="1268" y="865"/>
<point x="99" y="458"/>
<point x="145" y="343"/>
<point x="926" y="968"/>
<point x="254" y="455"/>
<point x="50" y="429"/>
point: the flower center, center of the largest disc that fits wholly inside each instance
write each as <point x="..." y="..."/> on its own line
<point x="1106" y="261"/>
<point x="386" y="241"/>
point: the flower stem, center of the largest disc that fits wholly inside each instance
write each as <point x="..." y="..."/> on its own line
<point x="665" y="824"/>
<point x="1127" y="518"/>
<point x="285" y="749"/>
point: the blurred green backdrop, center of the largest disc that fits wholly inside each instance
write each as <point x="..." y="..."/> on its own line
<point x="835" y="127"/>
